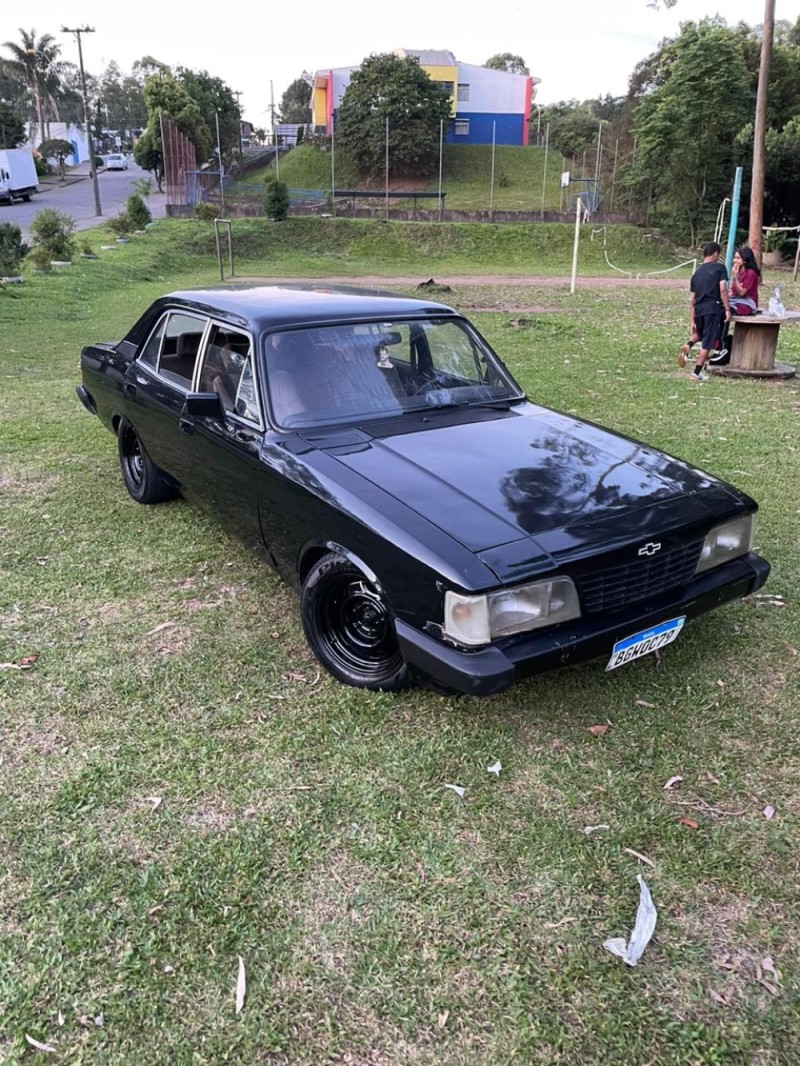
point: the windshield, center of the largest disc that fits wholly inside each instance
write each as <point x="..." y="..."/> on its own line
<point x="347" y="373"/>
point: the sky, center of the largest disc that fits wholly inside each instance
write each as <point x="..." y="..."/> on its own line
<point x="580" y="50"/>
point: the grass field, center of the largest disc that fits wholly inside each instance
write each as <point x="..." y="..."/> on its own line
<point x="180" y="787"/>
<point x="520" y="177"/>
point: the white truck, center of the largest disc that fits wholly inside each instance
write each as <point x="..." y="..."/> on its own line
<point x="18" y="179"/>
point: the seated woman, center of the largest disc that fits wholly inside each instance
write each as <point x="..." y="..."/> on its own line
<point x="745" y="277"/>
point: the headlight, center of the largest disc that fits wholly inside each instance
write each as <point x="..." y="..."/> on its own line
<point x="474" y="620"/>
<point x="727" y="542"/>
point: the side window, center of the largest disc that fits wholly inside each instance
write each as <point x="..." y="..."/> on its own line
<point x="149" y="354"/>
<point x="180" y="347"/>
<point x="227" y="369"/>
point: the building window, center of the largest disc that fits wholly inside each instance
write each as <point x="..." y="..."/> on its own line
<point x="462" y="127"/>
<point x="463" y="91"/>
<point x="447" y="86"/>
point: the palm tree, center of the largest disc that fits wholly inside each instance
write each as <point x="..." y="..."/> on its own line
<point x="31" y="63"/>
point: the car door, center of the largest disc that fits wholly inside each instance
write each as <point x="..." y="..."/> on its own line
<point x="156" y="385"/>
<point x="223" y="454"/>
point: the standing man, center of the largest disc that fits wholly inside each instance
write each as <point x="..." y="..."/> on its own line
<point x="709" y="309"/>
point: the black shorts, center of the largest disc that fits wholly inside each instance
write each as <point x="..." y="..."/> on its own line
<point x="710" y="328"/>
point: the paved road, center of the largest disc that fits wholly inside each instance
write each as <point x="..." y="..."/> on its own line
<point x="75" y="197"/>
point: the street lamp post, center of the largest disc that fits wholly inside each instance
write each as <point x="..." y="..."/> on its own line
<point x="92" y="167"/>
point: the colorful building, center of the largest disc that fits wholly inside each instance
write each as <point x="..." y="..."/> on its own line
<point x="486" y="105"/>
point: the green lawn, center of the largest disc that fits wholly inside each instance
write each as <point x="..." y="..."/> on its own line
<point x="180" y="786"/>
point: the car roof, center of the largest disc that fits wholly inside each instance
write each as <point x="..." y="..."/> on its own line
<point x="267" y="307"/>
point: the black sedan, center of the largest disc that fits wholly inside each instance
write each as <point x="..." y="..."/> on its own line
<point x="437" y="523"/>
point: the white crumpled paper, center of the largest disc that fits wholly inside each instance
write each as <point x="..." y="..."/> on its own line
<point x="631" y="951"/>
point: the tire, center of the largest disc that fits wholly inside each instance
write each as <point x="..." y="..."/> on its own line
<point x="143" y="480"/>
<point x="350" y="628"/>
<point x="26" y="197"/>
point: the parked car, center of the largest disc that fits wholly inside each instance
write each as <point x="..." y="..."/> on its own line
<point x="116" y="161"/>
<point x="437" y="523"/>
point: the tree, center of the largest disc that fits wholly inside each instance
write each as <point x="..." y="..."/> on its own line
<point x="149" y="156"/>
<point x="165" y="95"/>
<point x="215" y="99"/>
<point x="12" y="130"/>
<point x="508" y="62"/>
<point x="697" y="99"/>
<point x="121" y="100"/>
<point x="276" y="200"/>
<point x="296" y="102"/>
<point x="57" y="149"/>
<point x="30" y="63"/>
<point x="388" y="88"/>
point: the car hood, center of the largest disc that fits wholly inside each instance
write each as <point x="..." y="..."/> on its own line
<point x="533" y="486"/>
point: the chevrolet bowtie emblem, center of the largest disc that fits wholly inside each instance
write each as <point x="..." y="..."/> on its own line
<point x="649" y="549"/>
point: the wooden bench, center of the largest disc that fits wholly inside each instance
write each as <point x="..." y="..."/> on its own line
<point x="755" y="340"/>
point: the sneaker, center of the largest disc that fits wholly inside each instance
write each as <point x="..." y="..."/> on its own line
<point x="719" y="357"/>
<point x="683" y="354"/>
<point x="698" y="376"/>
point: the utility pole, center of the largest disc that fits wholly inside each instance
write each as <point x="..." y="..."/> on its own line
<point x="92" y="168"/>
<point x="759" y="133"/>
<point x="239" y="114"/>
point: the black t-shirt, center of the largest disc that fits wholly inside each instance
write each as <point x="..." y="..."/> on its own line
<point x="705" y="286"/>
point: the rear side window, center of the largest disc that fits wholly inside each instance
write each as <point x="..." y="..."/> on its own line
<point x="173" y="347"/>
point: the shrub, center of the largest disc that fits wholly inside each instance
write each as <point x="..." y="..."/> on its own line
<point x="12" y="249"/>
<point x="207" y="212"/>
<point x="276" y="200"/>
<point x="120" y="225"/>
<point x="42" y="166"/>
<point x="53" y="232"/>
<point x="39" y="258"/>
<point x="137" y="211"/>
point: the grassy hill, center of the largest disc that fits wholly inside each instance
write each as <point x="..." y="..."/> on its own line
<point x="466" y="176"/>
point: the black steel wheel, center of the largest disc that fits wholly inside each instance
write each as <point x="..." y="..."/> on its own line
<point x="143" y="480"/>
<point x="350" y="628"/>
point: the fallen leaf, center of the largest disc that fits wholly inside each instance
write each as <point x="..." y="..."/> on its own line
<point x="241" y="986"/>
<point x="158" y="629"/>
<point x="568" y="920"/>
<point x="495" y="768"/>
<point x="712" y="779"/>
<point x="169" y="969"/>
<point x="718" y="998"/>
<point x="643" y="703"/>
<point x="768" y="812"/>
<point x="459" y="791"/>
<point x="99" y="1021"/>
<point x="638" y="855"/>
<point x="443" y="1018"/>
<point x="768" y="966"/>
<point x="690" y="822"/>
<point x="158" y="907"/>
<point x="40" y="1046"/>
<point x="598" y="730"/>
<point x="28" y="660"/>
<point x="420" y="871"/>
<point x="154" y="801"/>
<point x="673" y="781"/>
<point x="773" y="991"/>
<point x="60" y="1018"/>
<point x="589" y="829"/>
<point x="790" y="648"/>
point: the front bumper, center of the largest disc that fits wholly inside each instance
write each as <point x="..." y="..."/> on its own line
<point x="492" y="669"/>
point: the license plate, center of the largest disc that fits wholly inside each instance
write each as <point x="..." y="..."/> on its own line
<point x="639" y="644"/>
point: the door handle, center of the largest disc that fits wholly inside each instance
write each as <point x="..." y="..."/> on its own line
<point x="185" y="426"/>
<point x="244" y="436"/>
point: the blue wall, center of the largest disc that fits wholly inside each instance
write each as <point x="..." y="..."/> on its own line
<point x="508" y="131"/>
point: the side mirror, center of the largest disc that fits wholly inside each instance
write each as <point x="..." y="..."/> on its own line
<point x="204" y="405"/>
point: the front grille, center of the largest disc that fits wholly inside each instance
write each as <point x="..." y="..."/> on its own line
<point x="635" y="580"/>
